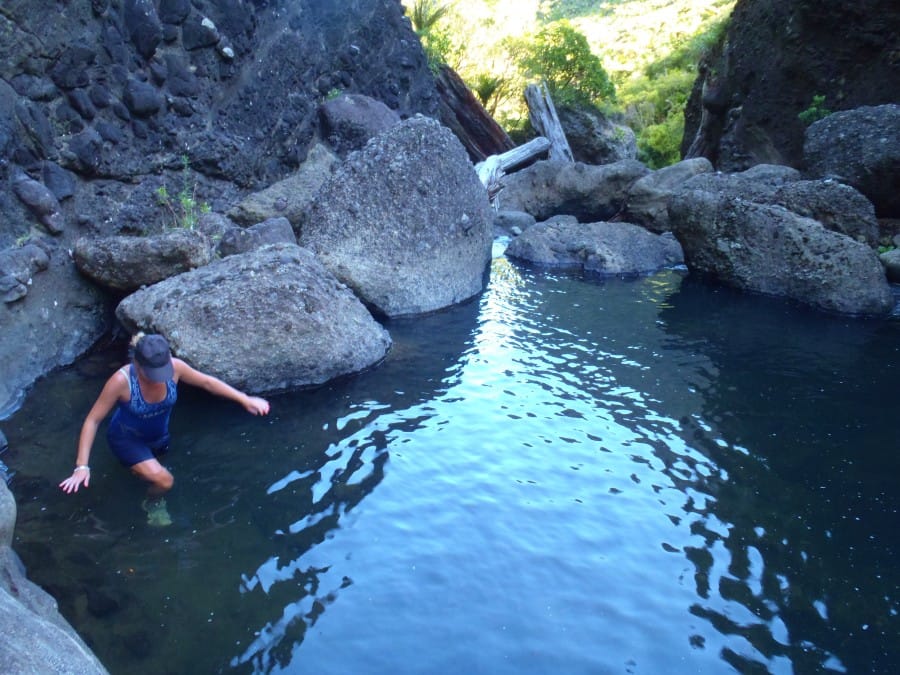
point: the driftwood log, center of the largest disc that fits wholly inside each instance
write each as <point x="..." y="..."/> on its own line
<point x="545" y="121"/>
<point x="492" y="170"/>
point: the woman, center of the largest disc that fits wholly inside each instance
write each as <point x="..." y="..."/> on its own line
<point x="143" y="394"/>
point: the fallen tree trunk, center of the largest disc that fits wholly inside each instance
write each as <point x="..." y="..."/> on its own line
<point x="545" y="121"/>
<point x="462" y="113"/>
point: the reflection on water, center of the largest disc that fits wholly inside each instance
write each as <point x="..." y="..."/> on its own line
<point x="565" y="475"/>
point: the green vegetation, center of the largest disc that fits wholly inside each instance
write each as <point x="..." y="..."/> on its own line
<point x="561" y="56"/>
<point x="635" y="60"/>
<point x="815" y="111"/>
<point x="184" y="210"/>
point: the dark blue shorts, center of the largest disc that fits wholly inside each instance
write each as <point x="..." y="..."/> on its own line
<point x="130" y="450"/>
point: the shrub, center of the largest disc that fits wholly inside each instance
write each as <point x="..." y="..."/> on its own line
<point x="184" y="210"/>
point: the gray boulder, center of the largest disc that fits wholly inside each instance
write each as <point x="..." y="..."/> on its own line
<point x="36" y="638"/>
<point x="350" y="120"/>
<point x="648" y="199"/>
<point x="405" y="222"/>
<point x="594" y="139"/>
<point x="512" y="222"/>
<point x="861" y="148"/>
<point x="603" y="248"/>
<point x="127" y="263"/>
<point x="838" y="207"/>
<point x="40" y="201"/>
<point x="243" y="239"/>
<point x="590" y="193"/>
<point x="769" y="249"/>
<point x="891" y="262"/>
<point x="289" y="197"/>
<point x="270" y="320"/>
<point x="17" y="269"/>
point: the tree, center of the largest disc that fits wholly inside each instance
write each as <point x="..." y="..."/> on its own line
<point x="561" y="56"/>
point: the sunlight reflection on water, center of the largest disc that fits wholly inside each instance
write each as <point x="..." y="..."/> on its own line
<point x="564" y="476"/>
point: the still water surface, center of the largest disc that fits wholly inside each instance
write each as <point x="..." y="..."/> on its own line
<point x="563" y="476"/>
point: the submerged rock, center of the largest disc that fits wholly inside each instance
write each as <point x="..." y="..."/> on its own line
<point x="603" y="248"/>
<point x="590" y="193"/>
<point x="36" y="638"/>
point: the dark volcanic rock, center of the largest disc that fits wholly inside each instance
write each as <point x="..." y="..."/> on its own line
<point x="860" y="148"/>
<point x="779" y="54"/>
<point x="120" y="98"/>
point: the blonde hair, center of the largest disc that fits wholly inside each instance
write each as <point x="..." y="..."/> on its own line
<point x="136" y="338"/>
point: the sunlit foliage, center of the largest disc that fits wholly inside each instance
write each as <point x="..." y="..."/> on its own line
<point x="635" y="59"/>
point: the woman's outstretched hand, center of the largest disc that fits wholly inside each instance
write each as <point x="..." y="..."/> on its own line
<point x="79" y="477"/>
<point x="256" y="405"/>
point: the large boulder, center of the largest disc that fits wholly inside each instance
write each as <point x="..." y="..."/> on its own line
<point x="837" y="207"/>
<point x="602" y="248"/>
<point x="768" y="249"/>
<point x="124" y="264"/>
<point x="590" y="193"/>
<point x="648" y="199"/>
<point x="594" y="138"/>
<point x="36" y="638"/>
<point x="350" y="120"/>
<point x="236" y="240"/>
<point x="270" y="320"/>
<point x="405" y="222"/>
<point x="861" y="148"/>
<point x="291" y="196"/>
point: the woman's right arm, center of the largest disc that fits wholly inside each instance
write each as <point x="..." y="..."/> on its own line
<point x="114" y="389"/>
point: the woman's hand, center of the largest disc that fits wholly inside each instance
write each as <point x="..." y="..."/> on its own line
<point x="256" y="405"/>
<point x="81" y="475"/>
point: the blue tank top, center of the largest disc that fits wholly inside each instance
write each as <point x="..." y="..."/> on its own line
<point x="139" y="419"/>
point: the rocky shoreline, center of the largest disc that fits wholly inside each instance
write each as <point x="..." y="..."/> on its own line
<point x="265" y="182"/>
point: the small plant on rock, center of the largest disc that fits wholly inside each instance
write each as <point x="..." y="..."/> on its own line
<point x="184" y="209"/>
<point x="815" y="111"/>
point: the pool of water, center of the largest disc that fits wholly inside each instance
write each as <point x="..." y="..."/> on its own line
<point x="565" y="475"/>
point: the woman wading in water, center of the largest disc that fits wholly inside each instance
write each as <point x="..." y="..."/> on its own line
<point x="143" y="394"/>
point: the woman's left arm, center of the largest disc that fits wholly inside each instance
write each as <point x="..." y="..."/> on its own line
<point x="252" y="404"/>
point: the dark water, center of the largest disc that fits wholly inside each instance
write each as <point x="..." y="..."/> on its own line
<point x="563" y="476"/>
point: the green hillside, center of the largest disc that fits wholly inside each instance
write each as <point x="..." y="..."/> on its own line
<point x="649" y="50"/>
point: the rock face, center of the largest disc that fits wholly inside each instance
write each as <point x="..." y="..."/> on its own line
<point x="141" y="80"/>
<point x="860" y="148"/>
<point x="768" y="249"/>
<point x="36" y="638"/>
<point x="779" y="54"/>
<point x="51" y="315"/>
<point x="264" y="321"/>
<point x="103" y="103"/>
<point x="405" y="222"/>
<point x="602" y="248"/>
